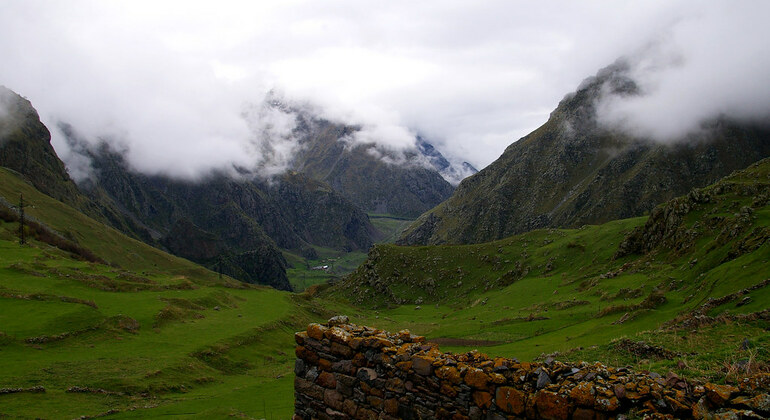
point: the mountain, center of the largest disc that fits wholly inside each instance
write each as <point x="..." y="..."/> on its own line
<point x="375" y="179"/>
<point x="152" y="323"/>
<point x="573" y="171"/>
<point x="25" y="147"/>
<point x="235" y="225"/>
<point x="647" y="292"/>
<point x="232" y="224"/>
<point x="451" y="172"/>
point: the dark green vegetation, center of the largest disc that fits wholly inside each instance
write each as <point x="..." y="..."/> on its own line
<point x="555" y="290"/>
<point x="573" y="171"/>
<point x="305" y="271"/>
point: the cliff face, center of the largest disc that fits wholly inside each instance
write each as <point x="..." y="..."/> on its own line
<point x="573" y="171"/>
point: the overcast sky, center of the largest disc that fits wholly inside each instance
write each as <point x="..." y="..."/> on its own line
<point x="171" y="79"/>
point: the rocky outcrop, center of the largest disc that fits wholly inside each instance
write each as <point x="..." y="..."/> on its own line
<point x="349" y="371"/>
<point x="725" y="209"/>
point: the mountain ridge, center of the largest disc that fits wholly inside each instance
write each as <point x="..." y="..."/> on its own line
<point x="573" y="171"/>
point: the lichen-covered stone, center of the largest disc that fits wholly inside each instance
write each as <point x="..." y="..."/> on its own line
<point x="316" y="331"/>
<point x="510" y="400"/>
<point x="482" y="399"/>
<point x="551" y="406"/>
<point x="719" y="394"/>
<point x="347" y="371"/>
<point x="476" y="378"/>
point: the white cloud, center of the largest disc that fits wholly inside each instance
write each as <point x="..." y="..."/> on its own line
<point x="171" y="78"/>
<point x="713" y="63"/>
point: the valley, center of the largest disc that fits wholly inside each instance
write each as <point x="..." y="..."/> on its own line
<point x="135" y="283"/>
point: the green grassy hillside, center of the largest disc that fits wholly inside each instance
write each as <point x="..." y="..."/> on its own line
<point x="561" y="290"/>
<point x="146" y="335"/>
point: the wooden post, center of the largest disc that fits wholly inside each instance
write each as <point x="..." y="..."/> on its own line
<point x="22" y="240"/>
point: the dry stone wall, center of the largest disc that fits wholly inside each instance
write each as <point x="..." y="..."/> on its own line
<point x="347" y="371"/>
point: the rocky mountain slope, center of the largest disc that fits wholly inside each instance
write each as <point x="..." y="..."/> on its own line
<point x="406" y="188"/>
<point x="236" y="225"/>
<point x="25" y="147"/>
<point x="573" y="171"/>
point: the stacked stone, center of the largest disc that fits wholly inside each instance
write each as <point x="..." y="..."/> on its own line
<point x="350" y="371"/>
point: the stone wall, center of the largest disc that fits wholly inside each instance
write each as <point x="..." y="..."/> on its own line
<point x="348" y="371"/>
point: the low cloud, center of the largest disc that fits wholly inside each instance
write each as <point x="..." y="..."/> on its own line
<point x="176" y="81"/>
<point x="715" y="63"/>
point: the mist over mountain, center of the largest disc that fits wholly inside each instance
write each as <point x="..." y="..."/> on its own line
<point x="576" y="169"/>
<point x="171" y="87"/>
<point x="378" y="179"/>
<point x="240" y="222"/>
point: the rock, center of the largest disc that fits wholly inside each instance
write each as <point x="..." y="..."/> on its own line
<point x="584" y="394"/>
<point x="620" y="391"/>
<point x="719" y="394"/>
<point x="543" y="379"/>
<point x="551" y="406"/>
<point x="476" y="378"/>
<point x="422" y="365"/>
<point x="449" y="373"/>
<point x="366" y="374"/>
<point x="607" y="404"/>
<point x="510" y="400"/>
<point x="327" y="380"/>
<point x="333" y="399"/>
<point x="338" y="320"/>
<point x="316" y="331"/>
<point x="482" y="399"/>
<point x="745" y="344"/>
<point x="299" y="367"/>
<point x="584" y="414"/>
<point x="759" y="403"/>
<point x="391" y="406"/>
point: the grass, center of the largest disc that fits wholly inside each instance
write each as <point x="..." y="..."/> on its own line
<point x="557" y="290"/>
<point x="390" y="226"/>
<point x="158" y="334"/>
<point x="219" y="344"/>
<point x="161" y="336"/>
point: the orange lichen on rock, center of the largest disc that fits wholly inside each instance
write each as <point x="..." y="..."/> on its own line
<point x="349" y="371"/>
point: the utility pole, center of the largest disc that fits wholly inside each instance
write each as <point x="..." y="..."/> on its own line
<point x="22" y="241"/>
